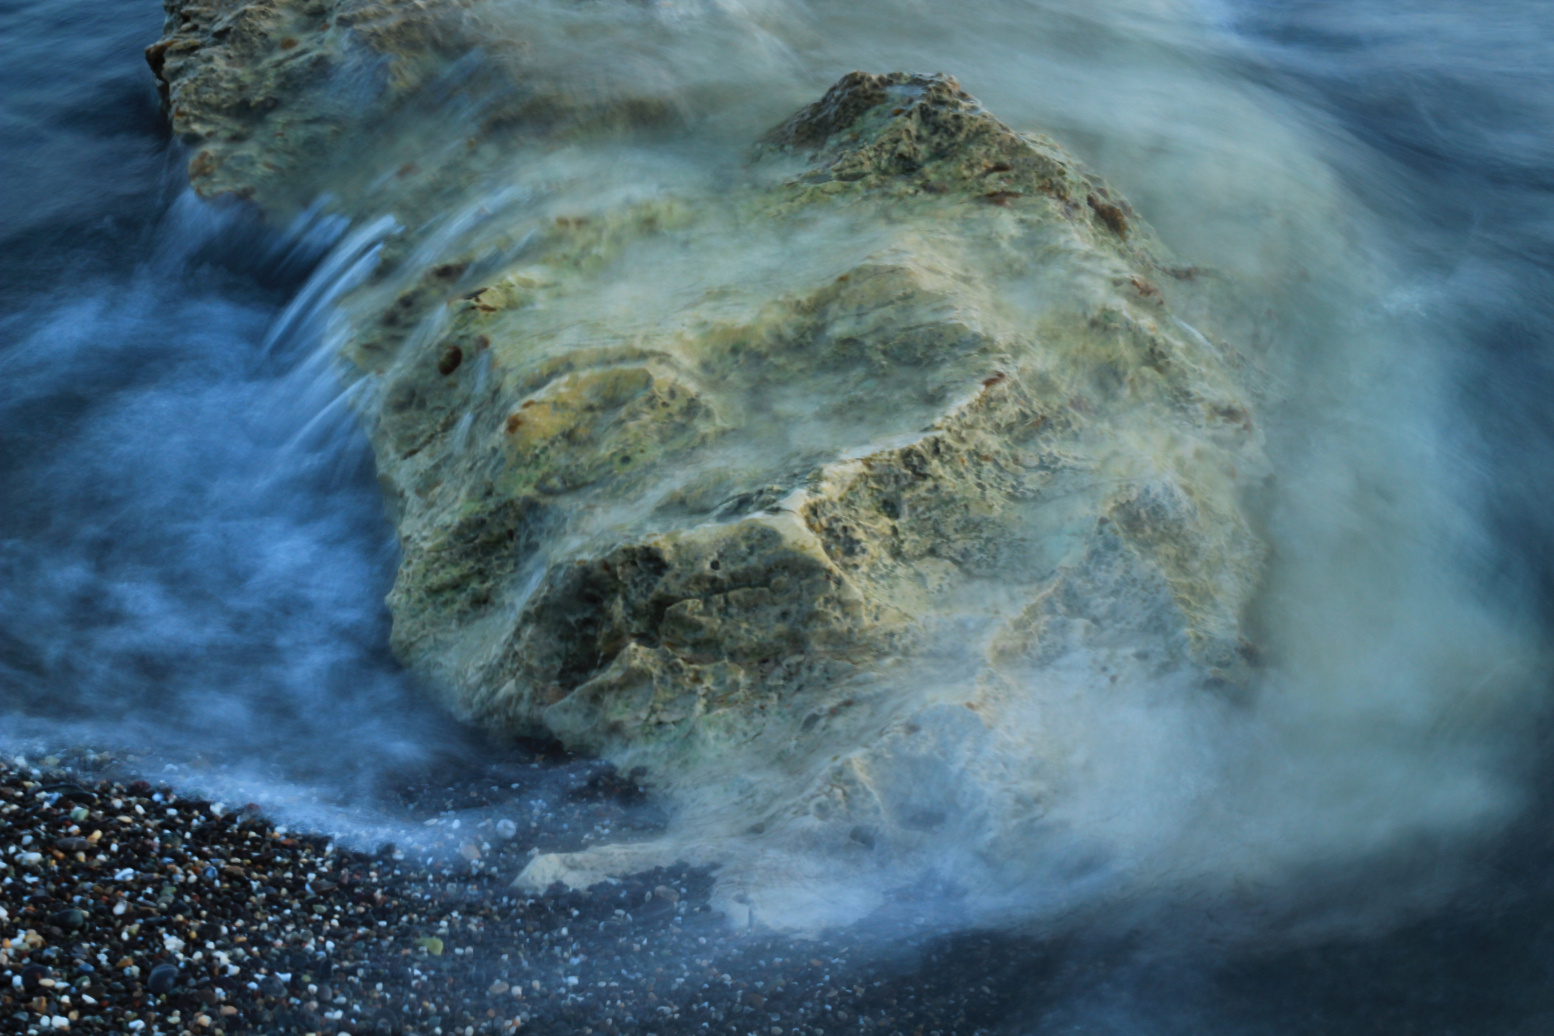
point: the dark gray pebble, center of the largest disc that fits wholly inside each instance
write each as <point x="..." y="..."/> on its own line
<point x="163" y="979"/>
<point x="70" y="790"/>
<point x="69" y="919"/>
<point x="31" y="974"/>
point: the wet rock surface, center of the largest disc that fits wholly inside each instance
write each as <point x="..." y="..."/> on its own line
<point x="281" y="100"/>
<point x="813" y="486"/>
<point x="195" y="918"/>
<point x="883" y="442"/>
<point x="266" y="93"/>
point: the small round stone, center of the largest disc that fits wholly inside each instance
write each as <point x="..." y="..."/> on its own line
<point x="70" y="919"/>
<point x="163" y="979"/>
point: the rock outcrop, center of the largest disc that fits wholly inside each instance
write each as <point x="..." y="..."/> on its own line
<point x="383" y="103"/>
<point x="806" y="493"/>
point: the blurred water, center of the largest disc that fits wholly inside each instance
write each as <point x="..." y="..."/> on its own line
<point x="1438" y="114"/>
<point x="193" y="551"/>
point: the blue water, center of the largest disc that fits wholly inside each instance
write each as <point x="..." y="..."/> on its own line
<point x="1440" y="116"/>
<point x="193" y="550"/>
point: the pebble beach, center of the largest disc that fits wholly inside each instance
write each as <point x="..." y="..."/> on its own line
<point x="127" y="908"/>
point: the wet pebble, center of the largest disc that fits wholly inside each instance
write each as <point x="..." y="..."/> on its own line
<point x="163" y="979"/>
<point x="176" y="917"/>
<point x="69" y="919"/>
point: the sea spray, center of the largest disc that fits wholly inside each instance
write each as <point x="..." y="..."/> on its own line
<point x="1378" y="677"/>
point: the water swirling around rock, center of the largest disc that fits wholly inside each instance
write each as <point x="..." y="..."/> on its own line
<point x="1213" y="582"/>
<point x="748" y="470"/>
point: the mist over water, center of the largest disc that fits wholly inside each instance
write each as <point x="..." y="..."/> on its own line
<point x="193" y="545"/>
<point x="194" y="552"/>
<point x="190" y="559"/>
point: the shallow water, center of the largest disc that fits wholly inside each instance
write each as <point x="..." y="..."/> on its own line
<point x="193" y="551"/>
<point x="193" y="544"/>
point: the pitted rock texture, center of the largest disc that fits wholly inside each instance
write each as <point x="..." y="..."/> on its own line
<point x="799" y="532"/>
<point x="265" y="93"/>
<point x="806" y="493"/>
<point x="280" y="101"/>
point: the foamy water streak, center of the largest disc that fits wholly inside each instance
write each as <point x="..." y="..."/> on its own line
<point x="201" y="556"/>
<point x="1394" y="679"/>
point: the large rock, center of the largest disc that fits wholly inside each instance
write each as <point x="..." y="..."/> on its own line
<point x="809" y="490"/>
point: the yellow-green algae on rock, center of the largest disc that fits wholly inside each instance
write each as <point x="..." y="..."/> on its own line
<point x="967" y="463"/>
<point x="805" y="493"/>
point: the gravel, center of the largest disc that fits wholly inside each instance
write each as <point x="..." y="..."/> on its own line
<point x="125" y="908"/>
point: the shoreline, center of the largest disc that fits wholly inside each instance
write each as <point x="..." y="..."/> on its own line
<point x="266" y="930"/>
